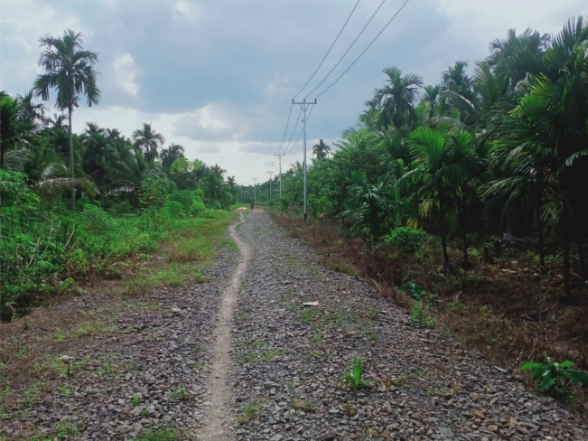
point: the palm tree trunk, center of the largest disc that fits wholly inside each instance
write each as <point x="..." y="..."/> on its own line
<point x="464" y="228"/>
<point x="566" y="250"/>
<point x="443" y="229"/>
<point x="71" y="160"/>
<point x="540" y="227"/>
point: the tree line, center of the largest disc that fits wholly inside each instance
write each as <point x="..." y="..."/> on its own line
<point x="63" y="194"/>
<point x="500" y="149"/>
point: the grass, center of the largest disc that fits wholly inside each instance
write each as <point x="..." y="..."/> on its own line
<point x="249" y="411"/>
<point x="158" y="435"/>
<point x="304" y="405"/>
<point x="29" y="359"/>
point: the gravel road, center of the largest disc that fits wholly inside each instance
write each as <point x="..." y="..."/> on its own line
<point x="289" y="363"/>
<point x="278" y="375"/>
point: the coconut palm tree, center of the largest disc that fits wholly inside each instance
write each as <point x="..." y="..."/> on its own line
<point x="396" y="99"/>
<point x="169" y="155"/>
<point x="148" y="140"/>
<point x="321" y="150"/>
<point x="69" y="70"/>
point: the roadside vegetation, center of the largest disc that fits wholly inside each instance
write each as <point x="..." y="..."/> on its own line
<point x="81" y="207"/>
<point x="465" y="200"/>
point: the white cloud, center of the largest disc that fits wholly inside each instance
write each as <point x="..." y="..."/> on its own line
<point x="126" y="72"/>
<point x="187" y="9"/>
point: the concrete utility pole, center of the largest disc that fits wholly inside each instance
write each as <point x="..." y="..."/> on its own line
<point x="254" y="192"/>
<point x="270" y="173"/>
<point x="304" y="105"/>
<point x="280" y="160"/>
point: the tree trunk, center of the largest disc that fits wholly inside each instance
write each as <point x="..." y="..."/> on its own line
<point x="71" y="160"/>
<point x="540" y="227"/>
<point x="443" y="229"/>
<point x="464" y="228"/>
<point x="566" y="250"/>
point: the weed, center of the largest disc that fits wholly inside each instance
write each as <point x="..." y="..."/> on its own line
<point x="556" y="378"/>
<point x="420" y="318"/>
<point x="316" y="338"/>
<point x="248" y="412"/>
<point x="349" y="409"/>
<point x="67" y="429"/>
<point x="372" y="312"/>
<point x="353" y="378"/>
<point x="135" y="400"/>
<point x="304" y="405"/>
<point x="158" y="435"/>
<point x="181" y="395"/>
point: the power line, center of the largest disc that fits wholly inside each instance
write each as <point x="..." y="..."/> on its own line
<point x="347" y="51"/>
<point x="329" y="51"/>
<point x="365" y="50"/>
<point x="286" y="129"/>
<point x="300" y="134"/>
<point x="294" y="129"/>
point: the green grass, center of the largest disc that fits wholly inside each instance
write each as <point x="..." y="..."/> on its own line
<point x="249" y="411"/>
<point x="158" y="435"/>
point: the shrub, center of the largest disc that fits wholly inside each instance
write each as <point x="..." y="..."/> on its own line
<point x="175" y="209"/>
<point x="555" y="377"/>
<point x="405" y="239"/>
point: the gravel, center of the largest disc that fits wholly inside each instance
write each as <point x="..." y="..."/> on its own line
<point x="149" y="374"/>
<point x="290" y="361"/>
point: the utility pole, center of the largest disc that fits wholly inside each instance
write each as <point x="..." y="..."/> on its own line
<point x="270" y="173"/>
<point x="304" y="105"/>
<point x="280" y="160"/>
<point x="254" y="188"/>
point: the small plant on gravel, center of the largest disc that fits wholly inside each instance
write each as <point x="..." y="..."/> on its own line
<point x="556" y="378"/>
<point x="158" y="435"/>
<point x="316" y="338"/>
<point x="135" y="400"/>
<point x="420" y="318"/>
<point x="371" y="312"/>
<point x="181" y="395"/>
<point x="349" y="409"/>
<point x="248" y="412"/>
<point x="304" y="405"/>
<point x="25" y="324"/>
<point x="353" y="378"/>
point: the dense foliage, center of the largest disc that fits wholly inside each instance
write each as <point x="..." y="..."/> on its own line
<point x="502" y="151"/>
<point x="128" y="190"/>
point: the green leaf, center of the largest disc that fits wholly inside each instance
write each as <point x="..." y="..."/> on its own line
<point x="576" y="377"/>
<point x="566" y="363"/>
<point x="530" y="365"/>
<point x="547" y="382"/>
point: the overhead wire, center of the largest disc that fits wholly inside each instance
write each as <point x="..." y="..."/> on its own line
<point x="329" y="51"/>
<point x="294" y="129"/>
<point x="286" y="129"/>
<point x="347" y="51"/>
<point x="365" y="50"/>
<point x="301" y="131"/>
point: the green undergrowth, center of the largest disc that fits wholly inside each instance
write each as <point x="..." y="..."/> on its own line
<point x="48" y="250"/>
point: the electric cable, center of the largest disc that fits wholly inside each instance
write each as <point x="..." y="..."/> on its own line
<point x="286" y="129"/>
<point x="347" y="51"/>
<point x="329" y="51"/>
<point x="365" y="50"/>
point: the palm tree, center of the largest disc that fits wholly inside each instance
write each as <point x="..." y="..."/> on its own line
<point x="14" y="131"/>
<point x="396" y="99"/>
<point x="321" y="150"/>
<point x="431" y="97"/>
<point x="169" y="155"/>
<point x="70" y="70"/>
<point x="148" y="140"/>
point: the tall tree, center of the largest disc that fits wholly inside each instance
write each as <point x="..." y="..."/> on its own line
<point x="321" y="150"/>
<point x="148" y="140"/>
<point x="70" y="70"/>
<point x="397" y="98"/>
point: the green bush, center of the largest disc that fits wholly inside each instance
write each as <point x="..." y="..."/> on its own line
<point x="175" y="209"/>
<point x="405" y="239"/>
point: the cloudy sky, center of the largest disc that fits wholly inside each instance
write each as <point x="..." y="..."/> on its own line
<point x="218" y="76"/>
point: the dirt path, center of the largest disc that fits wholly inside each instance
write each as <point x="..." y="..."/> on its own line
<point x="218" y="417"/>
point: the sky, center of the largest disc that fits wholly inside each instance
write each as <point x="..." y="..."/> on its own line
<point x="218" y="76"/>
